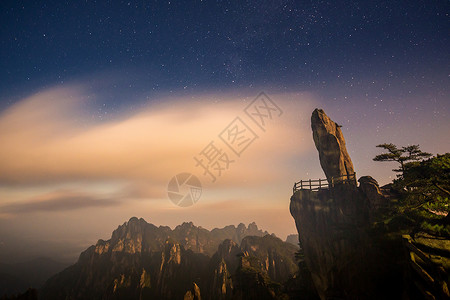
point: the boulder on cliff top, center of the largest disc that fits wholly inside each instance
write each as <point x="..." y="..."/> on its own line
<point x="330" y="143"/>
<point x="371" y="189"/>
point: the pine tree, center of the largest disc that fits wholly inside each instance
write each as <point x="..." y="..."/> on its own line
<point x="403" y="155"/>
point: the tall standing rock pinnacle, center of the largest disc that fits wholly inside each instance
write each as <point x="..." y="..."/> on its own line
<point x="334" y="224"/>
<point x="330" y="143"/>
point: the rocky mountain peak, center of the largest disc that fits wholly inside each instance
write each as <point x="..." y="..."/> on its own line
<point x="241" y="227"/>
<point x="130" y="229"/>
<point x="142" y="261"/>
<point x="252" y="226"/>
<point x="292" y="239"/>
<point x="330" y="143"/>
<point x="228" y="250"/>
<point x="187" y="225"/>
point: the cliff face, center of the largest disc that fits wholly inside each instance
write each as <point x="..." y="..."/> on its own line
<point x="263" y="264"/>
<point x="275" y="258"/>
<point x="223" y="265"/>
<point x="332" y="223"/>
<point x="250" y="271"/>
<point x="142" y="261"/>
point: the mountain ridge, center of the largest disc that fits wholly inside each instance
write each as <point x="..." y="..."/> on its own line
<point x="183" y="233"/>
<point x="143" y="261"/>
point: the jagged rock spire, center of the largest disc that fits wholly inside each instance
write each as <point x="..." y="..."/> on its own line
<point x="330" y="143"/>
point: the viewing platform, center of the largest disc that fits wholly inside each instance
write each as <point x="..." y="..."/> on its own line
<point x="323" y="184"/>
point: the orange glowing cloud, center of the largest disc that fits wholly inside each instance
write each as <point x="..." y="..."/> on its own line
<point x="56" y="158"/>
<point x="49" y="138"/>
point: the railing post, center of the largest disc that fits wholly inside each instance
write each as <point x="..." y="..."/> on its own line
<point x="310" y="184"/>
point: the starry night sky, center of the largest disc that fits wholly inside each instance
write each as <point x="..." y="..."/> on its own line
<point x="102" y="102"/>
<point x="207" y="45"/>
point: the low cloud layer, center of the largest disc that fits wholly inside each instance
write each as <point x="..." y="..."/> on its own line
<point x="58" y="201"/>
<point x="54" y="138"/>
<point x="48" y="137"/>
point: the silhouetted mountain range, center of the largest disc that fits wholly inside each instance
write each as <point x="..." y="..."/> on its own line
<point x="143" y="261"/>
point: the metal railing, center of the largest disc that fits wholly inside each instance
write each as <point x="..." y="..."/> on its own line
<point x="319" y="184"/>
<point x="313" y="185"/>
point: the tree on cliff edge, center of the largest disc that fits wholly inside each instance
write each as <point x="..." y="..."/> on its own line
<point x="423" y="183"/>
<point x="431" y="179"/>
<point x="403" y="155"/>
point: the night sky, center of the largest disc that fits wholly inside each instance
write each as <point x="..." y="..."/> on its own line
<point x="92" y="83"/>
<point x="207" y="45"/>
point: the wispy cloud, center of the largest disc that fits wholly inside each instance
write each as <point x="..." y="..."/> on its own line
<point x="50" y="137"/>
<point x="58" y="201"/>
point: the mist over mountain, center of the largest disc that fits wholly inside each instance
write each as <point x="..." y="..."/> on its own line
<point x="17" y="277"/>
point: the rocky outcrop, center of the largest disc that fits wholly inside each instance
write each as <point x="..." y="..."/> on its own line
<point x="371" y="190"/>
<point x="223" y="265"/>
<point x="330" y="143"/>
<point x="250" y="271"/>
<point x="277" y="259"/>
<point x="193" y="294"/>
<point x="263" y="264"/>
<point x="251" y="283"/>
<point x="292" y="239"/>
<point x="236" y="234"/>
<point x="330" y="225"/>
<point x="333" y="224"/>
